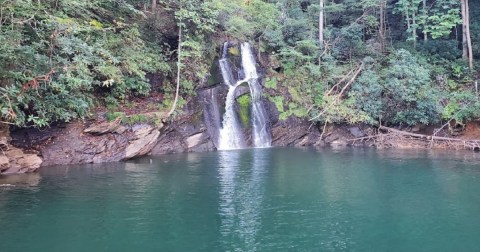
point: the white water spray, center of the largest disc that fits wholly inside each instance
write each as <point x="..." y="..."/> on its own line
<point x="230" y="135"/>
<point x="261" y="137"/>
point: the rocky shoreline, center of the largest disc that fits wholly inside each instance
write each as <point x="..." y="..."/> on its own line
<point x="26" y="150"/>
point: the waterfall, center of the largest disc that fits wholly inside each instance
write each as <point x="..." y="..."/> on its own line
<point x="230" y="135"/>
<point x="261" y="137"/>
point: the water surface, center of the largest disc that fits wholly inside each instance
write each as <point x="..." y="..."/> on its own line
<point x="250" y="200"/>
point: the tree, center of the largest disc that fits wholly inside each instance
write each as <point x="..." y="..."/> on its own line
<point x="466" y="38"/>
<point x="179" y="62"/>
<point x="154" y="5"/>
<point x="440" y="18"/>
<point x="409" y="9"/>
<point x="321" y="23"/>
<point x="382" y="29"/>
<point x="424" y="10"/>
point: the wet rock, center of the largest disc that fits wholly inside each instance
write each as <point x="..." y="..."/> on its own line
<point x="195" y="140"/>
<point x="337" y="135"/>
<point x="293" y="131"/>
<point x="242" y="90"/>
<point x="356" y="132"/>
<point x="211" y="104"/>
<point x="189" y="133"/>
<point x="184" y="136"/>
<point x="70" y="144"/>
<point x="338" y="143"/>
<point x="170" y="141"/>
<point x="143" y="144"/>
<point x="199" y="143"/>
<point x="203" y="147"/>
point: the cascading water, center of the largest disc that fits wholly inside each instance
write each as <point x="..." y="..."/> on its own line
<point x="261" y="137"/>
<point x="230" y="135"/>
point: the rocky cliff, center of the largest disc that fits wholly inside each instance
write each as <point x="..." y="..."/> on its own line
<point x="25" y="150"/>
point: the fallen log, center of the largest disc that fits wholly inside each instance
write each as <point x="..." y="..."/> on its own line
<point x="427" y="137"/>
<point x="391" y="135"/>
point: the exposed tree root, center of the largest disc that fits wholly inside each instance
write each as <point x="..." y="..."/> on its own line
<point x="389" y="137"/>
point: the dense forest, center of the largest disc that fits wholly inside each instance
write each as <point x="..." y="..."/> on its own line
<point x="389" y="62"/>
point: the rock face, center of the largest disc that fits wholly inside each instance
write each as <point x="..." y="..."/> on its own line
<point x="15" y="160"/>
<point x="103" y="128"/>
<point x="299" y="132"/>
<point x="142" y="142"/>
<point x="293" y="131"/>
<point x="186" y="134"/>
<point x="72" y="145"/>
<point x="79" y="142"/>
<point x="196" y="130"/>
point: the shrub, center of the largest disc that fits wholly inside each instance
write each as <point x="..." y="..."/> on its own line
<point x="409" y="96"/>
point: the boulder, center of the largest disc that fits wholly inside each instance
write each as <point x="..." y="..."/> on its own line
<point x="4" y="163"/>
<point x="3" y="144"/>
<point x="103" y="128"/>
<point x="16" y="161"/>
<point x="145" y="141"/>
<point x="356" y="132"/>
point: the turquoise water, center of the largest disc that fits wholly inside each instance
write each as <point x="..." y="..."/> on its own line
<point x="250" y="200"/>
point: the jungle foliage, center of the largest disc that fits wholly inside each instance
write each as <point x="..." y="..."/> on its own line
<point x="381" y="62"/>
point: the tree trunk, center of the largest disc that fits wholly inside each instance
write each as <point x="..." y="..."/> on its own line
<point x="382" y="27"/>
<point x="425" y="35"/>
<point x="321" y="22"/>
<point x="414" y="29"/>
<point x="407" y="17"/>
<point x="466" y="39"/>
<point x="179" y="54"/>
<point x="464" y="31"/>
<point x="154" y="5"/>
<point x="469" y="38"/>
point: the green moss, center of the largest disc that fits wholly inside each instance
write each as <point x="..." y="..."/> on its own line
<point x="113" y="115"/>
<point x="271" y="83"/>
<point x="134" y="119"/>
<point x="294" y="93"/>
<point x="278" y="101"/>
<point x="234" y="51"/>
<point x="297" y="110"/>
<point x="244" y="102"/>
<point x="215" y="74"/>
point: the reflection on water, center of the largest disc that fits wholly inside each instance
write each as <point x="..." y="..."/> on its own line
<point x="242" y="175"/>
<point x="22" y="180"/>
<point x="249" y="200"/>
